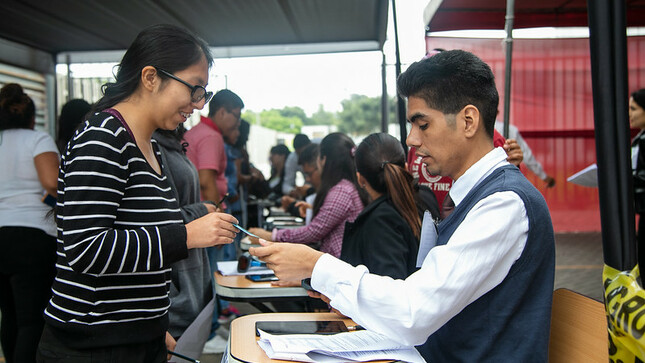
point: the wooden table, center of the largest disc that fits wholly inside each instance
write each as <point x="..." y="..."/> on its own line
<point x="239" y="288"/>
<point x="242" y="340"/>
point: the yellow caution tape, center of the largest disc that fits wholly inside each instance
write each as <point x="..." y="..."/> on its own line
<point x="625" y="308"/>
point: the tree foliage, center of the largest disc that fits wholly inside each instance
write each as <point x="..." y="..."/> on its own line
<point x="361" y="115"/>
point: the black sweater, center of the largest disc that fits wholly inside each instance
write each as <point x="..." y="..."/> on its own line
<point x="381" y="240"/>
<point x="119" y="229"/>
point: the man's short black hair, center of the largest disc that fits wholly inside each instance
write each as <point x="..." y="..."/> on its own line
<point x="300" y="140"/>
<point x="450" y="80"/>
<point x="309" y="154"/>
<point x="224" y="98"/>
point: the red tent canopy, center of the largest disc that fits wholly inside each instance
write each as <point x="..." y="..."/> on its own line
<point x="443" y="15"/>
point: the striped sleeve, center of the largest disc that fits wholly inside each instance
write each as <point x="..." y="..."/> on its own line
<point x="98" y="172"/>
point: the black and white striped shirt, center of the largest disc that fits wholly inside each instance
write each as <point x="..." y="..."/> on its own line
<point x="119" y="229"/>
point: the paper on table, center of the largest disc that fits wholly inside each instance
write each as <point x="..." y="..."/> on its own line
<point x="587" y="177"/>
<point x="229" y="268"/>
<point x="362" y="345"/>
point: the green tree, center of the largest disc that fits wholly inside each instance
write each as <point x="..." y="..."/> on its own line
<point x="295" y="112"/>
<point x="273" y="119"/>
<point x="322" y="117"/>
<point x="361" y="115"/>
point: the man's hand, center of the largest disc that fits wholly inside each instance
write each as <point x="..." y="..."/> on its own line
<point x="317" y="295"/>
<point x="550" y="182"/>
<point x="210" y="230"/>
<point x="291" y="262"/>
<point x="286" y="201"/>
<point x="515" y="154"/>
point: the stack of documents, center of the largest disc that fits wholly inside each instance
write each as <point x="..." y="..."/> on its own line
<point x="357" y="346"/>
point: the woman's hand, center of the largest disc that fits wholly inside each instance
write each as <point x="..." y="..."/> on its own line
<point x="210" y="230"/>
<point x="211" y="208"/>
<point x="171" y="343"/>
<point x="262" y="233"/>
<point x="302" y="208"/>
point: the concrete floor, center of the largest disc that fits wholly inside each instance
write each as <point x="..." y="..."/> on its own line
<point x="579" y="266"/>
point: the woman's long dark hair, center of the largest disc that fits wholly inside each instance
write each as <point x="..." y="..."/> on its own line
<point x="73" y="113"/>
<point x="17" y="110"/>
<point x="336" y="148"/>
<point x="169" y="47"/>
<point x="381" y="161"/>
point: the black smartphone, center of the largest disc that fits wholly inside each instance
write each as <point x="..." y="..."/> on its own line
<point x="262" y="277"/>
<point x="301" y="327"/>
<point x="306" y="284"/>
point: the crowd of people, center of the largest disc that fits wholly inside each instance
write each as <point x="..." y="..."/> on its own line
<point x="448" y="247"/>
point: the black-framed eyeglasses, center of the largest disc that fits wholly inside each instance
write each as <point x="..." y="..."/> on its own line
<point x="197" y="92"/>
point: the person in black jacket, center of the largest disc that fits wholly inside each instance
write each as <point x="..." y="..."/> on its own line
<point x="385" y="236"/>
<point x="637" y="120"/>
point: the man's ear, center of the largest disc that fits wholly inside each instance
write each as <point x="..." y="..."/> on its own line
<point x="149" y="79"/>
<point x="472" y="120"/>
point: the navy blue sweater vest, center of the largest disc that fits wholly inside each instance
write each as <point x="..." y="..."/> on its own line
<point x="511" y="322"/>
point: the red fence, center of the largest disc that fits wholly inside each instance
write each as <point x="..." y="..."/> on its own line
<point x="552" y="106"/>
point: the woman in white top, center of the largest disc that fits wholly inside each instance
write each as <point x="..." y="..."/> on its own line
<point x="29" y="164"/>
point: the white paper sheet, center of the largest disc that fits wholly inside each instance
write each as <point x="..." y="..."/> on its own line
<point x="358" y="346"/>
<point x="587" y="177"/>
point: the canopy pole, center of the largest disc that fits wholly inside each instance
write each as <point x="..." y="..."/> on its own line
<point x="508" y="27"/>
<point x="70" y="81"/>
<point x="608" y="50"/>
<point x="384" y="100"/>
<point x="400" y="102"/>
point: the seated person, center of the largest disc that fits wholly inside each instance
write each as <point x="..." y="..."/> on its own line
<point x="277" y="157"/>
<point x="338" y="200"/>
<point x="385" y="236"/>
<point x="308" y="160"/>
<point x="292" y="166"/>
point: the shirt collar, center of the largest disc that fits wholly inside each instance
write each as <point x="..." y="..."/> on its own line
<point x="476" y="173"/>
<point x="210" y="123"/>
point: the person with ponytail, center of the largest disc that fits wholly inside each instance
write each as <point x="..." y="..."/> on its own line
<point x="338" y="199"/>
<point x="120" y="226"/>
<point x="385" y="236"/>
<point x="29" y="164"/>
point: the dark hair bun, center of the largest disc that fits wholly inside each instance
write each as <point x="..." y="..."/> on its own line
<point x="9" y="94"/>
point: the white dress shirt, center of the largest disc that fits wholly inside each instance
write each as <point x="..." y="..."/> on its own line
<point x="477" y="258"/>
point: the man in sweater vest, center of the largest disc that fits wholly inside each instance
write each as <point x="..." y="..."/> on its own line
<point x="484" y="289"/>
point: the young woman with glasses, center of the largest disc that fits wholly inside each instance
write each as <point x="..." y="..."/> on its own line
<point x="119" y="223"/>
